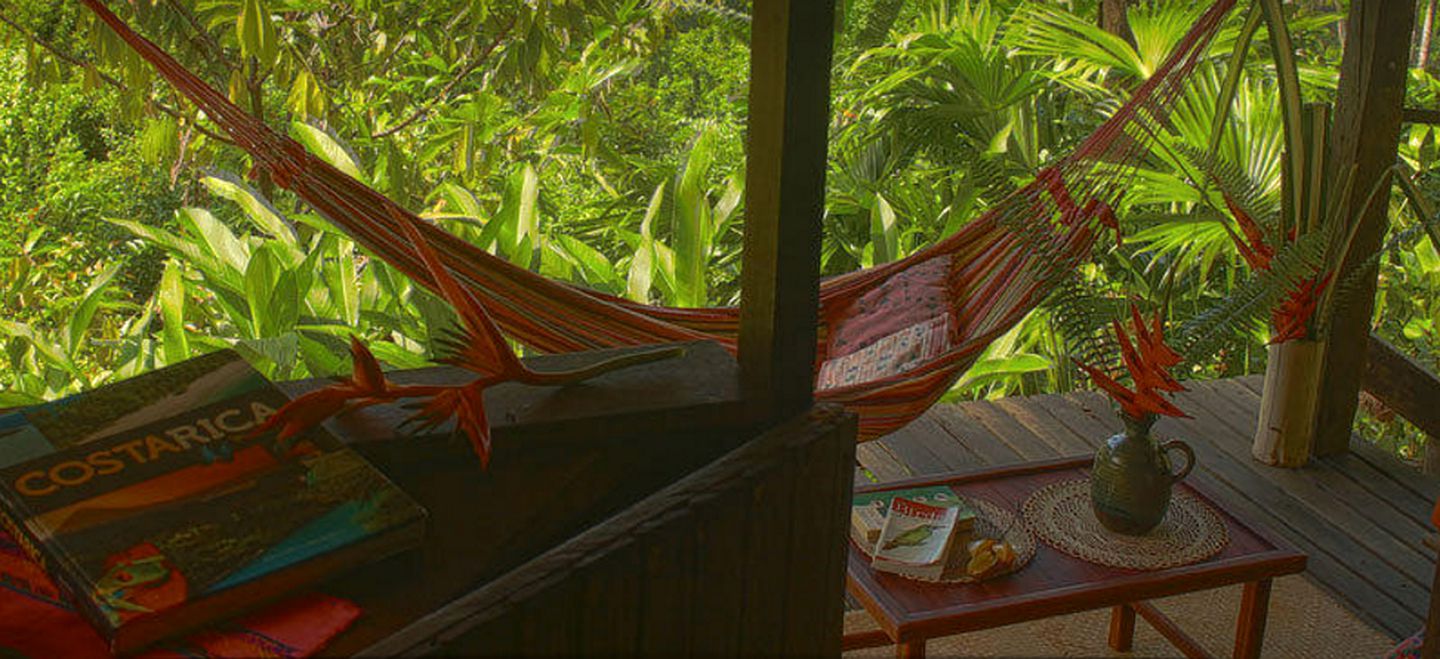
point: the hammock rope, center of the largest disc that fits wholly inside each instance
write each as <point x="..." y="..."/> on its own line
<point x="984" y="278"/>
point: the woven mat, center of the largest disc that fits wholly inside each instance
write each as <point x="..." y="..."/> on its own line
<point x="991" y="521"/>
<point x="1060" y="514"/>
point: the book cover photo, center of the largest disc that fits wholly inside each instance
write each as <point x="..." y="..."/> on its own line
<point x="158" y="509"/>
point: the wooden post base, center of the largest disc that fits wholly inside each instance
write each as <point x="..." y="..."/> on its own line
<point x="1286" y="426"/>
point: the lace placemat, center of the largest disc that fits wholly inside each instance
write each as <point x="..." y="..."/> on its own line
<point x="1060" y="514"/>
<point x="991" y="521"/>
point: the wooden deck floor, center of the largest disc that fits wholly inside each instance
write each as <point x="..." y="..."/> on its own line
<point x="1361" y="517"/>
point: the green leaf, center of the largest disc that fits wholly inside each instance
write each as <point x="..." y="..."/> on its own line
<point x="642" y="264"/>
<point x="517" y="221"/>
<point x="260" y="279"/>
<point x="691" y="225"/>
<point x="256" y="33"/>
<point x="328" y="148"/>
<point x="989" y="371"/>
<point x="81" y="316"/>
<point x="280" y="351"/>
<point x="172" y="312"/>
<point x="883" y="234"/>
<point x="596" y="269"/>
<point x="1291" y="107"/>
<point x="218" y="239"/>
<point x="257" y="208"/>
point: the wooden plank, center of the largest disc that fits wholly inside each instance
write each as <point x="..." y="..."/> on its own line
<point x="928" y="447"/>
<point x="881" y="461"/>
<point x="784" y="202"/>
<point x="762" y="623"/>
<point x="1377" y="471"/>
<point x="1365" y="134"/>
<point x="1082" y="423"/>
<point x="719" y="571"/>
<point x="610" y="618"/>
<point x="966" y="433"/>
<point x="1374" y="482"/>
<point x="1424" y="486"/>
<point x="819" y="537"/>
<point x="1403" y="385"/>
<point x="1039" y="421"/>
<point x="668" y="551"/>
<point x="1019" y="438"/>
<point x="1371" y="523"/>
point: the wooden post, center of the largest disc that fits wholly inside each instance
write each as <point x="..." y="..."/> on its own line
<point x="791" y="43"/>
<point x="1365" y="134"/>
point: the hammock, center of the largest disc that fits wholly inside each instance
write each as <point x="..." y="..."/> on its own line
<point x="892" y="339"/>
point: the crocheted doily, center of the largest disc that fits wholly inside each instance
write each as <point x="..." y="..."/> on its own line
<point x="1060" y="514"/>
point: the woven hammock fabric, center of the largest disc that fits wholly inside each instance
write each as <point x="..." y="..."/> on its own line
<point x="988" y="275"/>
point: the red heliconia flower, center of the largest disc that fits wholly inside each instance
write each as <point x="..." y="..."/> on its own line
<point x="1253" y="248"/>
<point x="1147" y="360"/>
<point x="1292" y="317"/>
<point x="479" y="348"/>
<point x="366" y="386"/>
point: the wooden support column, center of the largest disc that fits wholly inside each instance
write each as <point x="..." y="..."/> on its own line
<point x="1364" y="135"/>
<point x="790" y="49"/>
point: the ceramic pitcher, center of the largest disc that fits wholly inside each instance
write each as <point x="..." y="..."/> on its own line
<point x="1131" y="479"/>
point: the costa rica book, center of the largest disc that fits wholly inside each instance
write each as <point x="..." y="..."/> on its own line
<point x="158" y="510"/>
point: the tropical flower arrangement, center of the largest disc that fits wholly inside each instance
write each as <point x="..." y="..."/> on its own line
<point x="1147" y="360"/>
<point x="1131" y="478"/>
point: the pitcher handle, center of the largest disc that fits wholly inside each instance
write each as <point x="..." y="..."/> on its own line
<point x="1176" y="444"/>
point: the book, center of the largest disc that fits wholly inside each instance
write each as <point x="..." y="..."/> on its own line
<point x="868" y="511"/>
<point x="916" y="539"/>
<point x="889" y="355"/>
<point x="158" y="511"/>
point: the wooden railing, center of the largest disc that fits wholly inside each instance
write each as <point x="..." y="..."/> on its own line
<point x="744" y="556"/>
<point x="1407" y="388"/>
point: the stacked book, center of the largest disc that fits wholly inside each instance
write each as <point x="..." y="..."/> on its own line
<point x="157" y="508"/>
<point x="917" y="533"/>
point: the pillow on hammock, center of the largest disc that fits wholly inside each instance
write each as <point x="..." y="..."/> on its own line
<point x="914" y="295"/>
<point x="896" y="326"/>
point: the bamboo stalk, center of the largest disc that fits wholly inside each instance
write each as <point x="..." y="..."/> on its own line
<point x="1286" y="427"/>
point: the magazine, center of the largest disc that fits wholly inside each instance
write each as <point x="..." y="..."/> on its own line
<point x="868" y="511"/>
<point x="916" y="539"/>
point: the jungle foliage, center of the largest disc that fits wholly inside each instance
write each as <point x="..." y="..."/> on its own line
<point x="603" y="143"/>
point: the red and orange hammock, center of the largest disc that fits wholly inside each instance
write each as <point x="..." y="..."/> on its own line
<point x="977" y="283"/>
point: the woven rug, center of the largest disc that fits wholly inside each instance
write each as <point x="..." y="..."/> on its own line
<point x="1060" y="515"/>
<point x="1304" y="622"/>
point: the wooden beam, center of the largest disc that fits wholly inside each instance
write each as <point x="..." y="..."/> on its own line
<point x="1364" y="136"/>
<point x="1403" y="385"/>
<point x="1420" y="116"/>
<point x="790" y="49"/>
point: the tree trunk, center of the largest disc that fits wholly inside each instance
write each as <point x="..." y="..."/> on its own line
<point x="1427" y="30"/>
<point x="1365" y="132"/>
<point x="1113" y="19"/>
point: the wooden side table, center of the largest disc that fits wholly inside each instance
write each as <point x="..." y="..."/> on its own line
<point x="1054" y="583"/>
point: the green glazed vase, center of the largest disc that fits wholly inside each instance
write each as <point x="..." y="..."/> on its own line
<point x="1131" y="479"/>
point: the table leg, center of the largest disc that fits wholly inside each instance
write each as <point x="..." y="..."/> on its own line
<point x="910" y="650"/>
<point x="1250" y="629"/>
<point x="1122" y="628"/>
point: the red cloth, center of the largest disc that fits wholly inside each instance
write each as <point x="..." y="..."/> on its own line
<point x="35" y="621"/>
